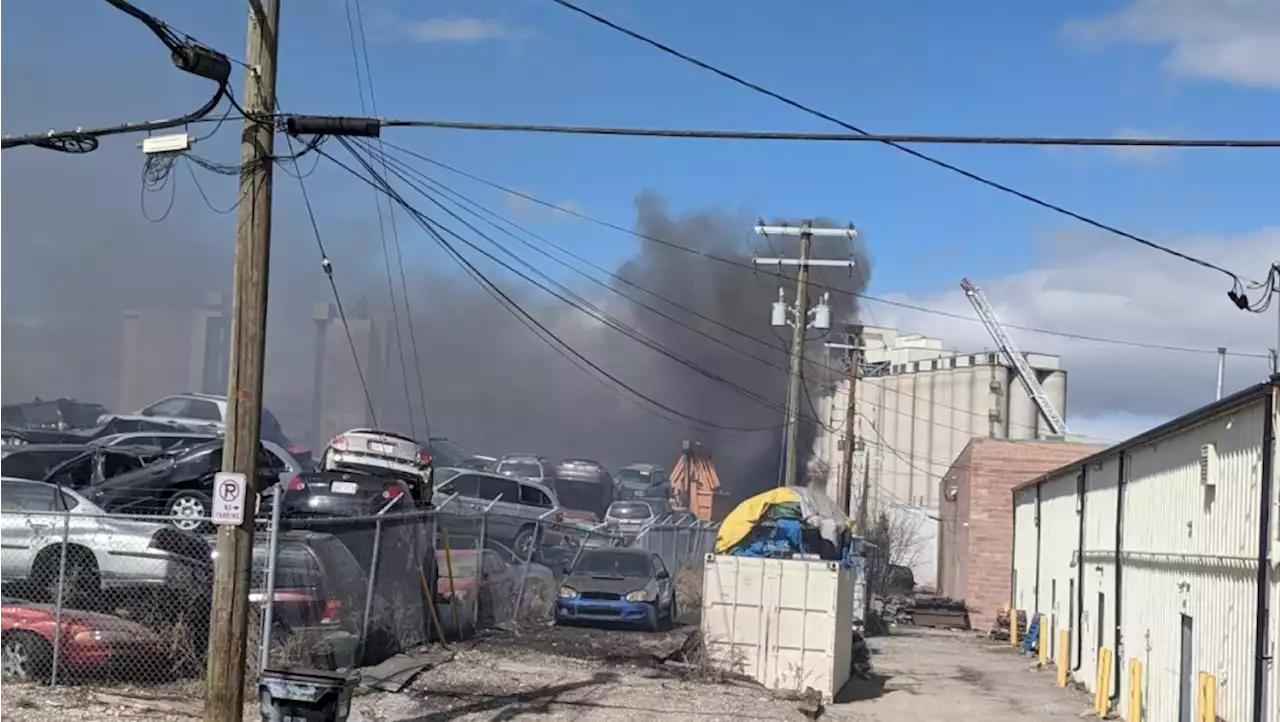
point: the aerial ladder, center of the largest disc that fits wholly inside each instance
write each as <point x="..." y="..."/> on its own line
<point x="1028" y="376"/>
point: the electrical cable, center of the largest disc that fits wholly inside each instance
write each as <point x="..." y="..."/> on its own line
<point x="187" y="54"/>
<point x="327" y="267"/>
<point x="544" y="334"/>
<point x="583" y="305"/>
<point x="692" y="133"/>
<point x="1236" y="279"/>
<point x="729" y="261"/>
<point x="466" y="203"/>
<point x="378" y="204"/>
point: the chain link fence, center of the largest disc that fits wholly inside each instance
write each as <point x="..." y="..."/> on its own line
<point x="101" y="598"/>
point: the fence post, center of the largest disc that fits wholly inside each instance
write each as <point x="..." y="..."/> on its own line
<point x="273" y="547"/>
<point x="58" y="598"/>
<point x="484" y="534"/>
<point x="373" y="576"/>
<point x="524" y="572"/>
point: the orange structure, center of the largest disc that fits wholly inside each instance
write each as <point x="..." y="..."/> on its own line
<point x="694" y="482"/>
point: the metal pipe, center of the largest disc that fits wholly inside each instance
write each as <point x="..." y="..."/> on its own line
<point x="1121" y="481"/>
<point x="1077" y="625"/>
<point x="59" y="597"/>
<point x="1222" y="366"/>
<point x="374" y="558"/>
<point x="273" y="547"/>
<point x="475" y="602"/>
<point x="1261" y="659"/>
<point x="524" y="572"/>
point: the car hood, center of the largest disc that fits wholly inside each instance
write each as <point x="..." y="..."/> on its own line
<point x="612" y="585"/>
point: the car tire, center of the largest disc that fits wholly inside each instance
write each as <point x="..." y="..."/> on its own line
<point x="673" y="614"/>
<point x="526" y="537"/>
<point x="80" y="583"/>
<point x="25" y="657"/>
<point x="189" y="510"/>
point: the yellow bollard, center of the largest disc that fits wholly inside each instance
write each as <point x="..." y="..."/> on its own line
<point x="1043" y="642"/>
<point x="1135" y="690"/>
<point x="1101" y="696"/>
<point x="1064" y="656"/>
<point x="1013" y="627"/>
<point x="1207" y="708"/>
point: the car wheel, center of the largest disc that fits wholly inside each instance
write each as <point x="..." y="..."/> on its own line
<point x="25" y="656"/>
<point x="526" y="543"/>
<point x="189" y="510"/>
<point x="79" y="582"/>
<point x="672" y="614"/>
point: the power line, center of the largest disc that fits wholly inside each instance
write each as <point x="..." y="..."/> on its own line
<point x="707" y="134"/>
<point x="402" y="168"/>
<point x="546" y="335"/>
<point x="732" y="262"/>
<point x="1236" y="279"/>
<point x="382" y="231"/>
<point x="327" y="267"/>
<point x="187" y="54"/>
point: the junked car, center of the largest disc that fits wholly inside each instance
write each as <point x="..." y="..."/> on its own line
<point x="90" y="643"/>
<point x="102" y="552"/>
<point x="621" y="585"/>
<point x="494" y="574"/>
<point x="528" y="467"/>
<point x="374" y="451"/>
<point x="199" y="412"/>
<point x="629" y="518"/>
<point x="514" y="506"/>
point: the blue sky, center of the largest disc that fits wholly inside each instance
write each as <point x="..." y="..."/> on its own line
<point x="1163" y="67"/>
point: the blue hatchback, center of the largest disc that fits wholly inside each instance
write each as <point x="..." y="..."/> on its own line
<point x="618" y="585"/>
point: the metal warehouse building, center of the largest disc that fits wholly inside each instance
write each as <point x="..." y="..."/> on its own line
<point x="1162" y="551"/>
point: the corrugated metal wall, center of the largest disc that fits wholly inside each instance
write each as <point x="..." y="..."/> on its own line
<point x="1188" y="565"/>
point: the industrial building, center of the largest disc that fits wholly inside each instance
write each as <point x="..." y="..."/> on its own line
<point x="975" y="541"/>
<point x="165" y="351"/>
<point x="1157" y="558"/>
<point x="918" y="406"/>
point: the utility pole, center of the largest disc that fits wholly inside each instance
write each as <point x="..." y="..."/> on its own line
<point x="228" y="623"/>
<point x="853" y="347"/>
<point x="821" y="321"/>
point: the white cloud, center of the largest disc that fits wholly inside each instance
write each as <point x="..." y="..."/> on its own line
<point x="1139" y="154"/>
<point x="463" y="29"/>
<point x="1237" y="41"/>
<point x="1105" y="286"/>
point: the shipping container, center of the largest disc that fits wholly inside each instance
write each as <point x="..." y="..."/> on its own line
<point x="786" y="623"/>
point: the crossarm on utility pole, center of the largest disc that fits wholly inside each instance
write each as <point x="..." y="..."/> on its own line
<point x="224" y="701"/>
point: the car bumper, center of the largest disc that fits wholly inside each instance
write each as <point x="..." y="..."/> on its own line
<point x="593" y="610"/>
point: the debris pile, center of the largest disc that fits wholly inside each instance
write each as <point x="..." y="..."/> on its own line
<point x="1001" y="630"/>
<point x="920" y="611"/>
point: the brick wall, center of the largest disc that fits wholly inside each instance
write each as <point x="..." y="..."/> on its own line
<point x="976" y="542"/>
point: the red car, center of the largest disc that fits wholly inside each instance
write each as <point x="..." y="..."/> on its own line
<point x="91" y="642"/>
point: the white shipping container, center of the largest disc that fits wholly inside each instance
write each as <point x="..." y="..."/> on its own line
<point x="786" y="623"/>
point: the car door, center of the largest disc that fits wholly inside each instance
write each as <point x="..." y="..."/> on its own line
<point x="507" y="515"/>
<point x="465" y="490"/>
<point x="26" y="526"/>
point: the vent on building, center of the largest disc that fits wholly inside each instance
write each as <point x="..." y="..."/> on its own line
<point x="1209" y="464"/>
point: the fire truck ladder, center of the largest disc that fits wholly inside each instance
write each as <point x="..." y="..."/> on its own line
<point x="1028" y="376"/>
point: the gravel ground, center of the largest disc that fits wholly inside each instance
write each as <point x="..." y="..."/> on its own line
<point x="558" y="674"/>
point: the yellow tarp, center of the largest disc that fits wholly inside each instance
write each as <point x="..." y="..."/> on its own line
<point x="743" y="518"/>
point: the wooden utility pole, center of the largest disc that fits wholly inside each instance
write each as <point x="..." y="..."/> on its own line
<point x="224" y="701"/>
<point x="801" y="324"/>
<point x="850" y="434"/>
<point x="795" y="386"/>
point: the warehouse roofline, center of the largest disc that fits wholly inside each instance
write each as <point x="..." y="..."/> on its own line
<point x="1204" y="413"/>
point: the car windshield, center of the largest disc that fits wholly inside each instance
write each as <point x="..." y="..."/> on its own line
<point x="632" y="477"/>
<point x="446" y="452"/>
<point x="579" y="494"/>
<point x="614" y="564"/>
<point x="630" y="510"/>
<point x="525" y="469"/>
